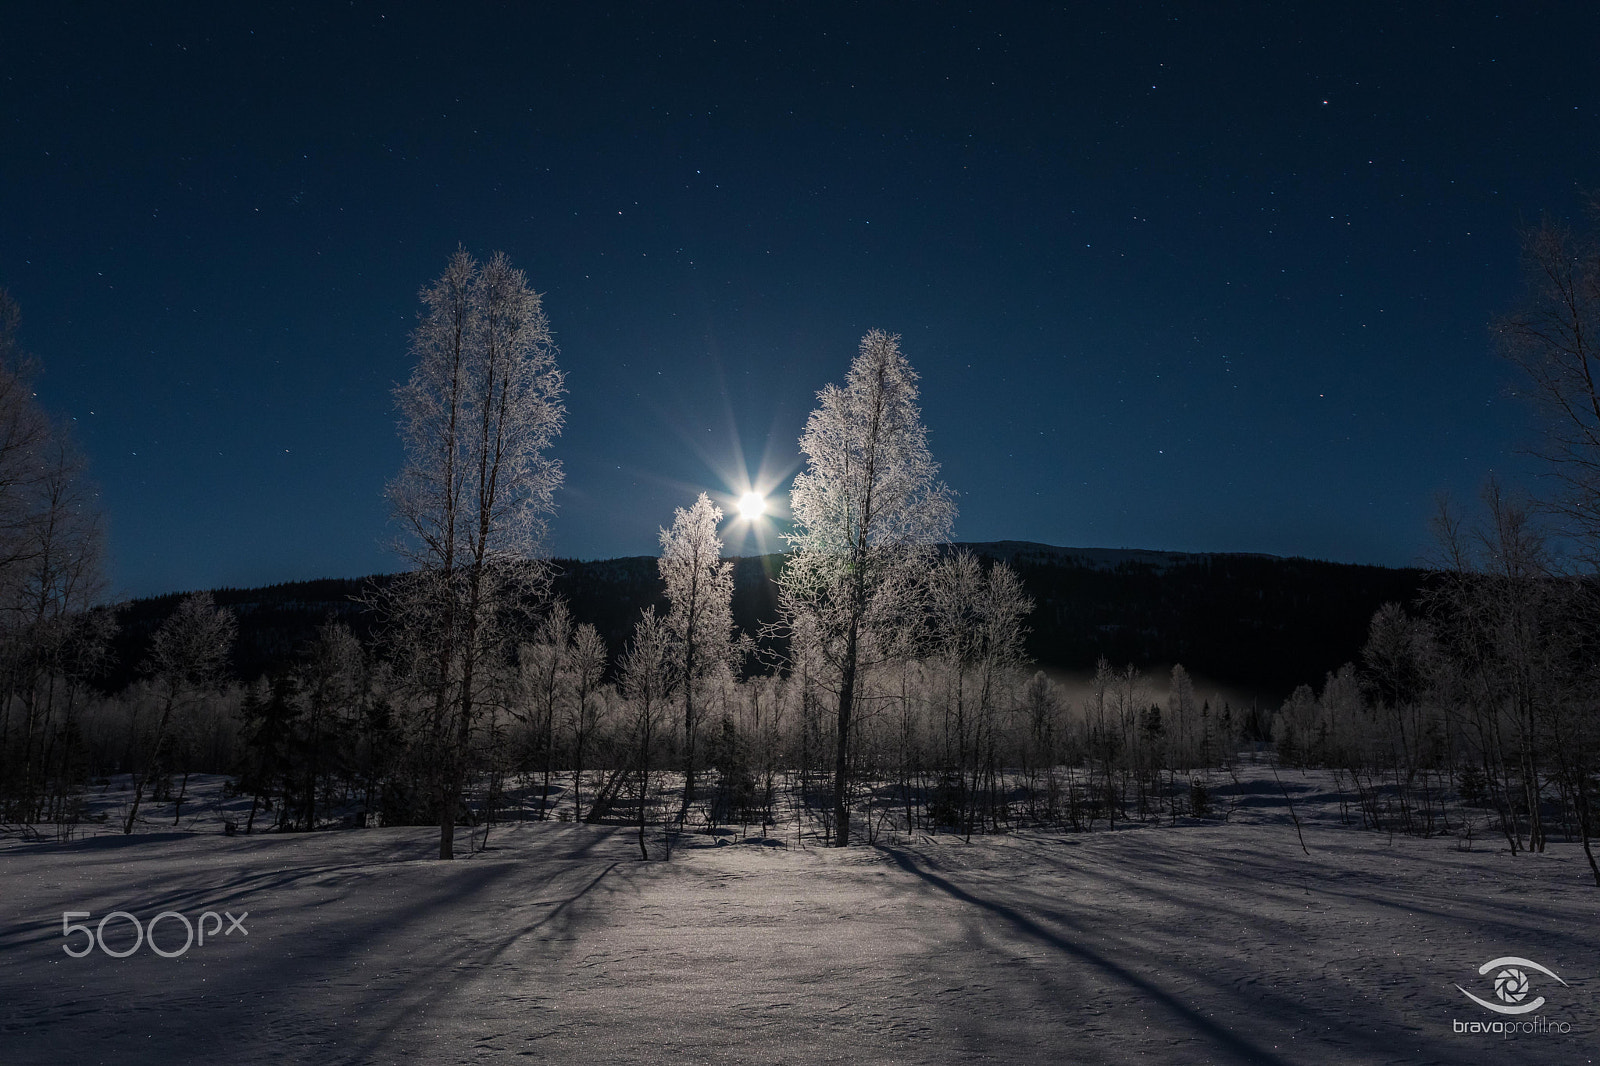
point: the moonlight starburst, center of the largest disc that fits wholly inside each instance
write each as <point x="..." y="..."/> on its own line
<point x="752" y="505"/>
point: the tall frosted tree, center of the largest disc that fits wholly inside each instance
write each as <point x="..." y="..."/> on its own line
<point x="479" y="415"/>
<point x="1554" y="338"/>
<point x="868" y="511"/>
<point x="699" y="619"/>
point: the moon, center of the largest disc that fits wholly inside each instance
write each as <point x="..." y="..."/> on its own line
<point x="752" y="505"/>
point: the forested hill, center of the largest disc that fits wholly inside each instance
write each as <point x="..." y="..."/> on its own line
<point x="1256" y="622"/>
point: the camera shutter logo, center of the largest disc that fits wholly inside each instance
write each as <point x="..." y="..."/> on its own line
<point x="1511" y="985"/>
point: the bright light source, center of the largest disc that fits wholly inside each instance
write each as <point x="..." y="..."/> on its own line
<point x="752" y="506"/>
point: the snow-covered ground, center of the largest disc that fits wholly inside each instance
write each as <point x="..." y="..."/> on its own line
<point x="1196" y="942"/>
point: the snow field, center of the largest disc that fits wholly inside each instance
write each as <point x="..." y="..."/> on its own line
<point x="1201" y="942"/>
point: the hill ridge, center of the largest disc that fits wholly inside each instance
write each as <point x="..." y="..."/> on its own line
<point x="1250" y="620"/>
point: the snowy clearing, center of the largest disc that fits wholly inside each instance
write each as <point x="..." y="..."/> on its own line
<point x="1196" y="942"/>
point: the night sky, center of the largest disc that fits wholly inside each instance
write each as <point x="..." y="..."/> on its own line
<point x="1174" y="277"/>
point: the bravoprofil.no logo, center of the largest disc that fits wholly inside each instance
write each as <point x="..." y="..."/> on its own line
<point x="1512" y="986"/>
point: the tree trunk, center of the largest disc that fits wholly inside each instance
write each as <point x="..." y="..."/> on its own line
<point x="549" y="750"/>
<point x="644" y="793"/>
<point x="1583" y="823"/>
<point x="841" y="761"/>
<point x="604" y="799"/>
<point x="577" y="778"/>
<point x="447" y="819"/>
<point x="143" y="776"/>
<point x="183" y="790"/>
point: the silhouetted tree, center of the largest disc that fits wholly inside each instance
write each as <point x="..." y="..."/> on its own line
<point x="1554" y="338"/>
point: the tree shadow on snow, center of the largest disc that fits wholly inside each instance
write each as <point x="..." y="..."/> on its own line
<point x="1224" y="1044"/>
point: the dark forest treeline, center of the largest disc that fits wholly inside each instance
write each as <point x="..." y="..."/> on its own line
<point x="289" y="690"/>
<point x="1255" y="623"/>
<point x="1471" y="710"/>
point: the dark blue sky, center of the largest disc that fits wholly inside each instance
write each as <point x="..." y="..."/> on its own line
<point x="1175" y="277"/>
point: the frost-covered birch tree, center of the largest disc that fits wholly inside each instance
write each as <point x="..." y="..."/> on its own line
<point x="588" y="660"/>
<point x="699" y="619"/>
<point x="646" y="678"/>
<point x="545" y="664"/>
<point x="868" y="510"/>
<point x="479" y="415"/>
<point x="978" y="630"/>
<point x="188" y="657"/>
